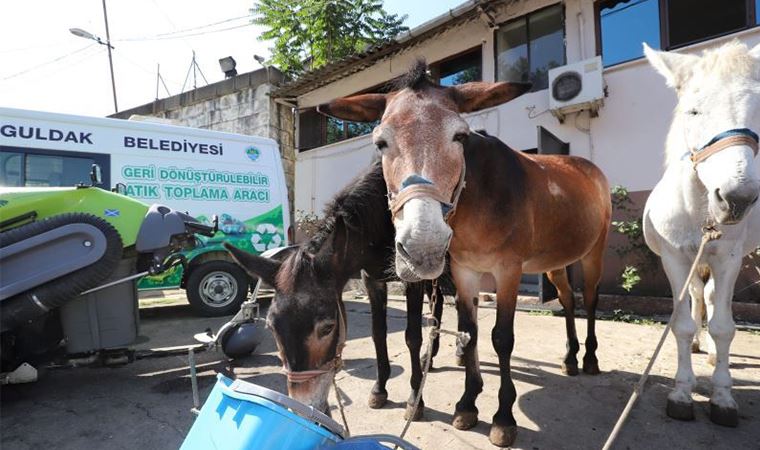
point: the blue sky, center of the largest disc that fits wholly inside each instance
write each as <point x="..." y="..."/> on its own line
<point x="47" y="68"/>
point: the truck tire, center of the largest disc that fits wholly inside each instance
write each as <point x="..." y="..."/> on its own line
<point x="217" y="288"/>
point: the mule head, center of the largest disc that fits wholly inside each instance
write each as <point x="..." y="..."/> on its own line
<point x="421" y="139"/>
<point x="716" y="121"/>
<point x="306" y="316"/>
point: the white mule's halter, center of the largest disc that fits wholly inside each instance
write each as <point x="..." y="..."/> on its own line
<point x="730" y="138"/>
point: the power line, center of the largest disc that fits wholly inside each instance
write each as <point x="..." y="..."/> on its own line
<point x="47" y="63"/>
<point x="180" y="33"/>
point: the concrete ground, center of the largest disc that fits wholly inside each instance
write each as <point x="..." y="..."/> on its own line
<point x="146" y="404"/>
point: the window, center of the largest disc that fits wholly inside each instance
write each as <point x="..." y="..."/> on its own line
<point x="316" y="130"/>
<point x="625" y="25"/>
<point x="48" y="170"/>
<point x="10" y="169"/>
<point x="459" y="69"/>
<point x="528" y="47"/>
<point x="55" y="171"/>
<point x="691" y="21"/>
<point x="666" y="24"/>
<point x="757" y="12"/>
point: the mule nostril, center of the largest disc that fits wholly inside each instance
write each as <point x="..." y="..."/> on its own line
<point x="400" y="249"/>
<point x="754" y="200"/>
<point x="717" y="194"/>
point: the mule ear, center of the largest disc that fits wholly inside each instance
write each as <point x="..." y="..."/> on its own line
<point x="255" y="265"/>
<point x="675" y="67"/>
<point x="357" y="108"/>
<point x="479" y="95"/>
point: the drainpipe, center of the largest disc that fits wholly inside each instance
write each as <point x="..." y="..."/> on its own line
<point x="582" y="34"/>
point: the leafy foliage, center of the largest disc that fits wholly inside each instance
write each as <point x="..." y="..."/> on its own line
<point x="308" y="34"/>
<point x="635" y="250"/>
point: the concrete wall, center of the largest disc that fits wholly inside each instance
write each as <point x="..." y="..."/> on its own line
<point x="626" y="141"/>
<point x="241" y="105"/>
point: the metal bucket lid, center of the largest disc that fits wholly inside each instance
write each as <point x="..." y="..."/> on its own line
<point x="307" y="412"/>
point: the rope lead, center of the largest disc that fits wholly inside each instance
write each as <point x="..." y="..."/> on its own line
<point x="709" y="233"/>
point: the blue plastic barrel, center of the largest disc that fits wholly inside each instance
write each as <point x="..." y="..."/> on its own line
<point x="239" y="415"/>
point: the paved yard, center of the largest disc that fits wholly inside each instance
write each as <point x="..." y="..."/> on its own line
<point x="146" y="405"/>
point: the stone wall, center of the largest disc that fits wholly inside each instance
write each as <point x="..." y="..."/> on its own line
<point x="241" y="105"/>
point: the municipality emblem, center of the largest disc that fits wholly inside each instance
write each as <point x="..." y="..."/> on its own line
<point x="253" y="153"/>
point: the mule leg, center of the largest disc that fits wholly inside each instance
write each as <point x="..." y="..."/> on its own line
<point x="696" y="291"/>
<point x="680" y="405"/>
<point x="709" y="308"/>
<point x="414" y="296"/>
<point x="504" y="427"/>
<point x="592" y="273"/>
<point x="437" y="311"/>
<point x="468" y="284"/>
<point x="559" y="280"/>
<point x="378" y="299"/>
<point x="718" y="294"/>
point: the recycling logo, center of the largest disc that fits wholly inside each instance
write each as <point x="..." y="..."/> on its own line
<point x="265" y="237"/>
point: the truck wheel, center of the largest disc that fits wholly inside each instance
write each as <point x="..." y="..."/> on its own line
<point x="217" y="288"/>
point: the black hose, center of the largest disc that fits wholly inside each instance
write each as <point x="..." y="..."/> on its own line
<point x="22" y="308"/>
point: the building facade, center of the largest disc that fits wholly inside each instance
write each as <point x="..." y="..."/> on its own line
<point x="520" y="40"/>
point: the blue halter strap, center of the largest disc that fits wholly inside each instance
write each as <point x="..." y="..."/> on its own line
<point x="728" y="134"/>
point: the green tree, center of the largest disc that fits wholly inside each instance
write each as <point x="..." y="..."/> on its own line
<point x="308" y="34"/>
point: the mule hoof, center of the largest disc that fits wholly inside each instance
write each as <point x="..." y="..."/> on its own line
<point x="712" y="359"/>
<point x="680" y="411"/>
<point x="417" y="414"/>
<point x="377" y="401"/>
<point x="591" y="368"/>
<point x="460" y="360"/>
<point x="695" y="347"/>
<point x="503" y="435"/>
<point x="727" y="417"/>
<point x="464" y="420"/>
<point x="570" y="369"/>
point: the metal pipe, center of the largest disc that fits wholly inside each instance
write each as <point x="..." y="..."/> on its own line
<point x="193" y="381"/>
<point x="113" y="283"/>
<point x="110" y="58"/>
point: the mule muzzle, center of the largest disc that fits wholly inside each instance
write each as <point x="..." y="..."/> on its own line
<point x="732" y="206"/>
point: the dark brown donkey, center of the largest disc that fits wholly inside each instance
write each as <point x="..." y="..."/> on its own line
<point x="307" y="315"/>
<point x="495" y="210"/>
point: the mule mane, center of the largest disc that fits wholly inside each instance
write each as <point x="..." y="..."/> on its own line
<point x="730" y="60"/>
<point x="362" y="205"/>
<point x="416" y="78"/>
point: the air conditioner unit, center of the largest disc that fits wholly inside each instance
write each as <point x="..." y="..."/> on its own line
<point x="576" y="87"/>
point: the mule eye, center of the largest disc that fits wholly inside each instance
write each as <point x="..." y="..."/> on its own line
<point x="692" y="112"/>
<point x="381" y="144"/>
<point x="325" y="330"/>
<point x="461" y="137"/>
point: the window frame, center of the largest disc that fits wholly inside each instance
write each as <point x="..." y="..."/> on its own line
<point x="435" y="67"/>
<point x="751" y="22"/>
<point x="101" y="159"/>
<point x="524" y="18"/>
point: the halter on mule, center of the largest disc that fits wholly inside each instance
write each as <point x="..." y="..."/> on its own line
<point x="416" y="186"/>
<point x="730" y="138"/>
<point x="334" y="364"/>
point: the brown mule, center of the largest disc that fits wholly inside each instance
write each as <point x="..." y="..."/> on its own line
<point x="511" y="213"/>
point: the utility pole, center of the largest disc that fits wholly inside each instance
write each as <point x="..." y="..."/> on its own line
<point x="110" y="58"/>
